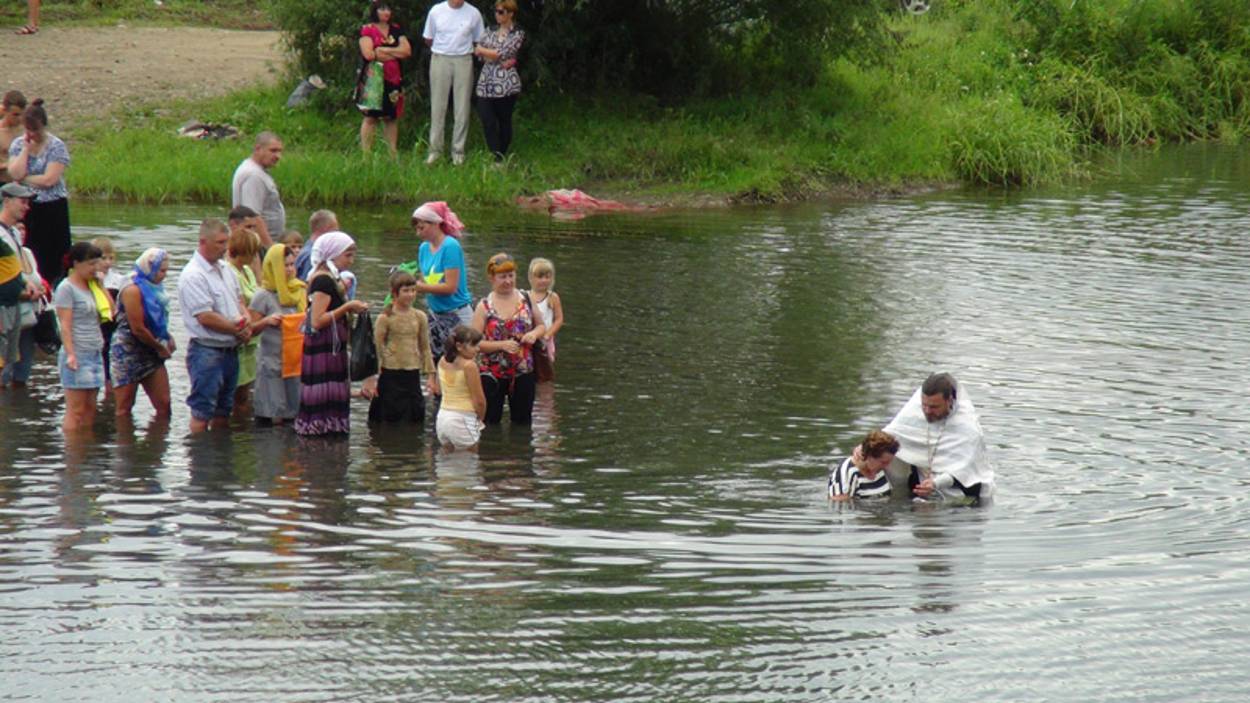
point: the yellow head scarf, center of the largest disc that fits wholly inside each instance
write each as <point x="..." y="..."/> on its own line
<point x="291" y="291"/>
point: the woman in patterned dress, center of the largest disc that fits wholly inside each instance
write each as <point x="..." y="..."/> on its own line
<point x="383" y="41"/>
<point x="509" y="326"/>
<point x="499" y="84"/>
<point x="325" y="387"/>
<point x="142" y="342"/>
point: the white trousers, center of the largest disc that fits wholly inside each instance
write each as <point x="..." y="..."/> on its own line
<point x="450" y="75"/>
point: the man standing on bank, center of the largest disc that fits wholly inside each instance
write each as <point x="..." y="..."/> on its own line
<point x="254" y="187"/>
<point x="452" y="27"/>
<point x="940" y="436"/>
<point x="213" y="314"/>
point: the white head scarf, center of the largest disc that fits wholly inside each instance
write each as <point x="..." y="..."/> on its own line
<point x="328" y="247"/>
<point x="955" y="445"/>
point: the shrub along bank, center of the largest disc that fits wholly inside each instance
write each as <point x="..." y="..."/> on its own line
<point x="999" y="92"/>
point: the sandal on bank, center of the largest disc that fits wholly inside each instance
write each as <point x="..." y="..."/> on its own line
<point x="27" y="29"/>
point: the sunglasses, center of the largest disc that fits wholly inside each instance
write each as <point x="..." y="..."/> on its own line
<point x="500" y="11"/>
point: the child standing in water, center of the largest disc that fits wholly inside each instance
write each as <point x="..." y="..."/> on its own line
<point x="542" y="276"/>
<point x="460" y="415"/>
<point x="402" y="336"/>
<point x="104" y="287"/>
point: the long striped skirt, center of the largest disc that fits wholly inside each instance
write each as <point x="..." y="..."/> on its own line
<point x="325" y="392"/>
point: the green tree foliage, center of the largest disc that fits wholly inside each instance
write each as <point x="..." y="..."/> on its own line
<point x="667" y="48"/>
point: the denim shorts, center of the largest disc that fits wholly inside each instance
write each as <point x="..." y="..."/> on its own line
<point x="214" y="373"/>
<point x="90" y="373"/>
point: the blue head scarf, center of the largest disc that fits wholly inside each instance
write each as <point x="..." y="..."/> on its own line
<point x="155" y="301"/>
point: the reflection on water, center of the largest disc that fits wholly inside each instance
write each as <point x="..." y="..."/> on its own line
<point x="660" y="532"/>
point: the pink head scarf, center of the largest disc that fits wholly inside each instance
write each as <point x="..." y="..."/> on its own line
<point x="439" y="213"/>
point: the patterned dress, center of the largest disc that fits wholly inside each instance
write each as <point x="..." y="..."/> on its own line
<point x="495" y="81"/>
<point x="130" y="360"/>
<point x="325" y="392"/>
<point x="502" y="365"/>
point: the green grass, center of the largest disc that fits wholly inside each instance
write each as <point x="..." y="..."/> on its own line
<point x="974" y="93"/>
<point x="226" y="14"/>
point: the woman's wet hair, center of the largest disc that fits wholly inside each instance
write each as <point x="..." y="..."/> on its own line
<point x="463" y="334"/>
<point x="877" y="443"/>
<point x="398" y="281"/>
<point x="82" y="251"/>
<point x="35" y="118"/>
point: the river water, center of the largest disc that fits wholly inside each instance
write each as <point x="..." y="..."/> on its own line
<point x="661" y="534"/>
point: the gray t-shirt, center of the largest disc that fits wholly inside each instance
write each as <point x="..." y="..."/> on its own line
<point x="269" y="360"/>
<point x="86" y="326"/>
<point x="254" y="187"/>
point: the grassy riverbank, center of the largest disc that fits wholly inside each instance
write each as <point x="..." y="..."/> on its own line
<point x="224" y="14"/>
<point x="981" y="93"/>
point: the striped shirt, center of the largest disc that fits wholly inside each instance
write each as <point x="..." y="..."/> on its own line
<point x="845" y="480"/>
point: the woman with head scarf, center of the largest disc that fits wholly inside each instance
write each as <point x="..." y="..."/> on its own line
<point x="325" y="392"/>
<point x="142" y="342"/>
<point x="440" y="270"/>
<point x="280" y="294"/>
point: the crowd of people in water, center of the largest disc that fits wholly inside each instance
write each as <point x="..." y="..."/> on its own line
<point x="268" y="314"/>
<point x="265" y="342"/>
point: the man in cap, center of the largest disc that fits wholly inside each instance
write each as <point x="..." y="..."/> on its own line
<point x="14" y="287"/>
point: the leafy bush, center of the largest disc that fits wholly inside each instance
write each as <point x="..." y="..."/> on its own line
<point x="673" y="49"/>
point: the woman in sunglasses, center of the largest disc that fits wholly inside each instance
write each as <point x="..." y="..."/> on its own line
<point x="499" y="84"/>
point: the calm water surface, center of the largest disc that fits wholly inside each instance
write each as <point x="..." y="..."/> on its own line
<point x="661" y="534"/>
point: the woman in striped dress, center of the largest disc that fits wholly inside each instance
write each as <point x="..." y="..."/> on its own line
<point x="325" y="392"/>
<point x="862" y="475"/>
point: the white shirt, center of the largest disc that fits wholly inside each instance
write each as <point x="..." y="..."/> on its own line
<point x="453" y="30"/>
<point x="254" y="187"/>
<point x="205" y="287"/>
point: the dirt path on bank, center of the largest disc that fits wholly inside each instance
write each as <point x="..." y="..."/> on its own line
<point x="84" y="73"/>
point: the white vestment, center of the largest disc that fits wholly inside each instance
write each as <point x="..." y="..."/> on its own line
<point x="954" y="446"/>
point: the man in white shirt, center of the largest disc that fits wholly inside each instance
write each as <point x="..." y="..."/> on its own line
<point x="451" y="29"/>
<point x="254" y="187"/>
<point x="213" y="312"/>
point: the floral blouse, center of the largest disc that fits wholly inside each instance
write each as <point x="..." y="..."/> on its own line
<point x="54" y="151"/>
<point x="495" y="81"/>
<point x="501" y="364"/>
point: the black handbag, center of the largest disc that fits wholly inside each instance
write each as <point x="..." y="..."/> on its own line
<point x="364" y="353"/>
<point x="47" y="331"/>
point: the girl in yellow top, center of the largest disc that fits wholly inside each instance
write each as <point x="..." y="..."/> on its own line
<point x="402" y="336"/>
<point x="460" y="415"/>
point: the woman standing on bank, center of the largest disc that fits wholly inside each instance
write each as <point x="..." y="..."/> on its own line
<point x="381" y="42"/>
<point x="38" y="159"/>
<point x="499" y="84"/>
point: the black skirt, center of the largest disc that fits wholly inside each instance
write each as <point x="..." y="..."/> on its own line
<point x="47" y="235"/>
<point x="399" y="398"/>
